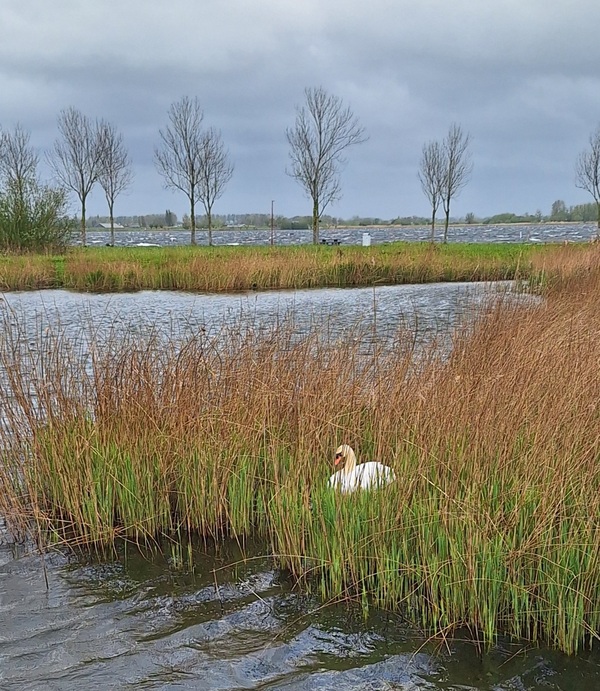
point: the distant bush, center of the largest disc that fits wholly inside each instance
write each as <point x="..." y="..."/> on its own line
<point x="511" y="218"/>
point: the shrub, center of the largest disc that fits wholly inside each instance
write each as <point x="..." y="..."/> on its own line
<point x="33" y="216"/>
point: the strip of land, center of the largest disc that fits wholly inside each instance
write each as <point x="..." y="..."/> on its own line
<point x="230" y="269"/>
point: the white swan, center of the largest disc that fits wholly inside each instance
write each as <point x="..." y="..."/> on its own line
<point x="351" y="476"/>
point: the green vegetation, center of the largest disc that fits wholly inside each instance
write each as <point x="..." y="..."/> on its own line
<point x="33" y="215"/>
<point x="493" y="522"/>
<point x="219" y="269"/>
<point x="33" y="218"/>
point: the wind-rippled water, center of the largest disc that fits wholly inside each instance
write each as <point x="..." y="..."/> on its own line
<point x="138" y="620"/>
<point x="428" y="311"/>
<point x="533" y="233"/>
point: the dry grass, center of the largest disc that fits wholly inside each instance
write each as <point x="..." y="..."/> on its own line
<point x="494" y="522"/>
<point x="227" y="269"/>
<point x="28" y="272"/>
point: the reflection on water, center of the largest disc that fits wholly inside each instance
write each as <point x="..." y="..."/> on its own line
<point x="138" y="620"/>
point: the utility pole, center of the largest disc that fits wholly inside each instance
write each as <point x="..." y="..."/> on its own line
<point x="272" y="232"/>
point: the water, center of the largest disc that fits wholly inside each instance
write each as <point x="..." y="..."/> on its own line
<point x="543" y="232"/>
<point x="428" y="311"/>
<point x="138" y="620"/>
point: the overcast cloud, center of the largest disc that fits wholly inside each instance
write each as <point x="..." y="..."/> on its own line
<point x="521" y="76"/>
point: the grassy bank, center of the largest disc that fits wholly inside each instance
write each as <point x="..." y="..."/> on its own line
<point x="493" y="523"/>
<point x="220" y="269"/>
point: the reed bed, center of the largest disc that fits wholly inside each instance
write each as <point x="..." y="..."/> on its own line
<point x="493" y="523"/>
<point x="29" y="272"/>
<point x="227" y="269"/>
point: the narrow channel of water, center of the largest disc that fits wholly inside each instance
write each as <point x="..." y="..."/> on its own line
<point x="140" y="620"/>
<point x="429" y="311"/>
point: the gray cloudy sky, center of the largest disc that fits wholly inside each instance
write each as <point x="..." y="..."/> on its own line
<point x="521" y="76"/>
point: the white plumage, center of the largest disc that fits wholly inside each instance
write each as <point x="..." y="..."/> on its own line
<point x="351" y="476"/>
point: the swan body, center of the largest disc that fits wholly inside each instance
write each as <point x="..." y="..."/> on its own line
<point x="350" y="477"/>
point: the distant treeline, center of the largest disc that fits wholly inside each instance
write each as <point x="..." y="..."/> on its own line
<point x="583" y="213"/>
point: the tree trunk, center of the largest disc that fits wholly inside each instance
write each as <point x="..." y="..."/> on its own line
<point x="598" y="228"/>
<point x="209" y="221"/>
<point x="446" y="221"/>
<point x="433" y="224"/>
<point x="193" y="221"/>
<point x="83" y="238"/>
<point x="112" y="225"/>
<point x="315" y="222"/>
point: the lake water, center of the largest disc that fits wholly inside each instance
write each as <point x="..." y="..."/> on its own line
<point x="534" y="233"/>
<point x="138" y="621"/>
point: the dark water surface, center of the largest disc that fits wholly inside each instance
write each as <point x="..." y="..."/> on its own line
<point x="142" y="621"/>
<point x="543" y="232"/>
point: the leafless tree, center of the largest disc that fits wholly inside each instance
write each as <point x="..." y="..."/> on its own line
<point x="18" y="160"/>
<point x="323" y="130"/>
<point x="115" y="171"/>
<point x="76" y="157"/>
<point x="179" y="157"/>
<point x="457" y="168"/>
<point x="214" y="174"/>
<point x="587" y="171"/>
<point x="431" y="176"/>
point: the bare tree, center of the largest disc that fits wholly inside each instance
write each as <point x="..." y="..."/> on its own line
<point x="324" y="129"/>
<point x="431" y="176"/>
<point x="76" y="157"/>
<point x="179" y="158"/>
<point x="18" y="160"/>
<point x="457" y="168"/>
<point x="587" y="171"/>
<point x="115" y="171"/>
<point x="214" y="174"/>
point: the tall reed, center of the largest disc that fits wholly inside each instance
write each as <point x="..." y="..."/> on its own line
<point x="226" y="269"/>
<point x="29" y="272"/>
<point x="493" y="523"/>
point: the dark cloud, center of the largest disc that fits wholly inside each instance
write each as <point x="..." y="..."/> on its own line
<point x="519" y="75"/>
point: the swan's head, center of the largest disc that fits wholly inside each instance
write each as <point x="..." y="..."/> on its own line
<point x="343" y="456"/>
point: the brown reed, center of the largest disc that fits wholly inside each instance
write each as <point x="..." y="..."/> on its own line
<point x="29" y="272"/>
<point x="494" y="521"/>
<point x="226" y="269"/>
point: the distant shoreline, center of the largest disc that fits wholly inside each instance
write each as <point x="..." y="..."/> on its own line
<point x="389" y="226"/>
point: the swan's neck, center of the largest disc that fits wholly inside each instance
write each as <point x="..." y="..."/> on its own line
<point x="350" y="464"/>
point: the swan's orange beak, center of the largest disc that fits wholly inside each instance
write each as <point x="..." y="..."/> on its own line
<point x="338" y="459"/>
